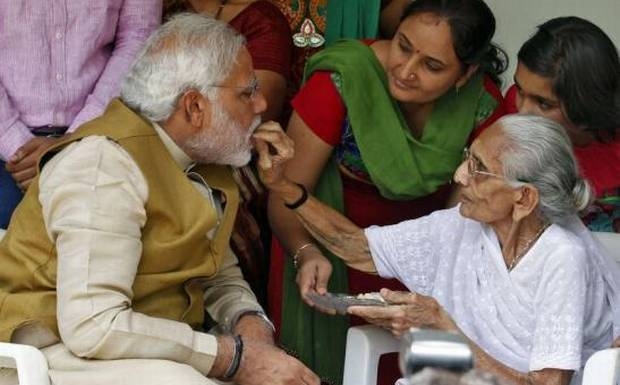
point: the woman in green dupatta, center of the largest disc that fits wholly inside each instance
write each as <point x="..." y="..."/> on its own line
<point x="379" y="128"/>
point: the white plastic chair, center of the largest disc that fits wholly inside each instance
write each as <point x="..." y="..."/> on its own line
<point x="611" y="242"/>
<point x="602" y="368"/>
<point x="30" y="363"/>
<point x="365" y="344"/>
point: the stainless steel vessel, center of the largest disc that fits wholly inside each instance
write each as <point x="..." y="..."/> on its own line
<point x="434" y="348"/>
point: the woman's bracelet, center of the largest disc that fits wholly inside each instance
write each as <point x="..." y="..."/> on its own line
<point x="298" y="252"/>
<point x="236" y="360"/>
<point x="302" y="199"/>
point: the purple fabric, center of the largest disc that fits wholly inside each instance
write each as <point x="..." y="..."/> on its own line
<point x="62" y="61"/>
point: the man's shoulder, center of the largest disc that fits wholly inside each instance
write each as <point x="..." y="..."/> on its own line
<point x="88" y="156"/>
<point x="118" y="121"/>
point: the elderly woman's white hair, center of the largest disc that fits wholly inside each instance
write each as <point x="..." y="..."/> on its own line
<point x="539" y="152"/>
<point x="190" y="51"/>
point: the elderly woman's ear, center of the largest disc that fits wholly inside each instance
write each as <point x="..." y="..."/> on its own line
<point x="526" y="199"/>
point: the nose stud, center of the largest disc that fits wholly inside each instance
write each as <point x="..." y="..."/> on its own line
<point x="411" y="76"/>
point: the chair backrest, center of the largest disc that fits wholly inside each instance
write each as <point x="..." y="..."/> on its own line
<point x="611" y="242"/>
<point x="365" y="344"/>
<point x="29" y="362"/>
<point x="602" y="368"/>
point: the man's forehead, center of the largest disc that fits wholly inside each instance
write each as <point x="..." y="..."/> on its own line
<point x="243" y="69"/>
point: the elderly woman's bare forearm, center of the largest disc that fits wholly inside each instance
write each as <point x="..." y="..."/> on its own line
<point x="337" y="233"/>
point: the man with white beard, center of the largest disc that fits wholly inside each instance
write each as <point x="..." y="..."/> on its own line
<point x="120" y="246"/>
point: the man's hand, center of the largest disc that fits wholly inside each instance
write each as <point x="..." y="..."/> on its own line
<point x="253" y="327"/>
<point x="266" y="364"/>
<point x="23" y="164"/>
<point x="261" y="361"/>
<point x="406" y="310"/>
<point x="274" y="148"/>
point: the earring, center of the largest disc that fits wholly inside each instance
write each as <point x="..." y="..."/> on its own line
<point x="456" y="89"/>
<point x="411" y="76"/>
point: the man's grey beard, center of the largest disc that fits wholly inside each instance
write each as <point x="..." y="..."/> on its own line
<point x="226" y="142"/>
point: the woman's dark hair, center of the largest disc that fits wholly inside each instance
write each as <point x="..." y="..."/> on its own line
<point x="582" y="63"/>
<point x="472" y="26"/>
<point x="172" y="7"/>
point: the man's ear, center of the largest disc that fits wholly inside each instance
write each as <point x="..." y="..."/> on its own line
<point x="471" y="69"/>
<point x="196" y="109"/>
<point x="526" y="199"/>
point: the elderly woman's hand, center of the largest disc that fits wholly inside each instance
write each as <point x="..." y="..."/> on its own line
<point x="405" y="310"/>
<point x="274" y="148"/>
<point x="616" y="343"/>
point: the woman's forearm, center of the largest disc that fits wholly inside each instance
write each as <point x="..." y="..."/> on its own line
<point x="330" y="228"/>
<point x="286" y="225"/>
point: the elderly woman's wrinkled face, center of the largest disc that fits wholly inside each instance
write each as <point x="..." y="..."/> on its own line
<point x="422" y="64"/>
<point x="485" y="195"/>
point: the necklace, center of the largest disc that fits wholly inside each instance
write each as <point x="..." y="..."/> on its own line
<point x="527" y="247"/>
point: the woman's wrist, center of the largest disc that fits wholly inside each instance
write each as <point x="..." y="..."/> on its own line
<point x="304" y="248"/>
<point x="285" y="189"/>
<point x="444" y="321"/>
<point x="293" y="204"/>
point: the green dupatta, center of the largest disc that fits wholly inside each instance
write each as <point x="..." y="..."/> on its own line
<point x="420" y="168"/>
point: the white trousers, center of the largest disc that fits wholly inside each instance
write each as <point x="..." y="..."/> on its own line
<point x="67" y="369"/>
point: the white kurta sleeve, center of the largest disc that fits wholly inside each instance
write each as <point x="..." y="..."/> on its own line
<point x="408" y="251"/>
<point x="227" y="294"/>
<point x="93" y="196"/>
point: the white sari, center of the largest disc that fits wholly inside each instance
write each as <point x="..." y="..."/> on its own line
<point x="553" y="310"/>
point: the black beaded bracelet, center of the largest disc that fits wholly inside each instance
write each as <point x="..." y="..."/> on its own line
<point x="301" y="200"/>
<point x="236" y="360"/>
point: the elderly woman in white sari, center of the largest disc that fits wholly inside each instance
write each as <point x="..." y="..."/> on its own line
<point x="511" y="267"/>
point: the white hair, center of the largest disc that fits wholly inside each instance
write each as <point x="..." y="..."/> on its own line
<point x="190" y="51"/>
<point x="539" y="152"/>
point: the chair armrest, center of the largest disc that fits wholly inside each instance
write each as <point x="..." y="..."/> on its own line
<point x="365" y="344"/>
<point x="602" y="368"/>
<point x="29" y="361"/>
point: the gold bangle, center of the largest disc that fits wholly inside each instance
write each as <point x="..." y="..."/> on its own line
<point x="298" y="251"/>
